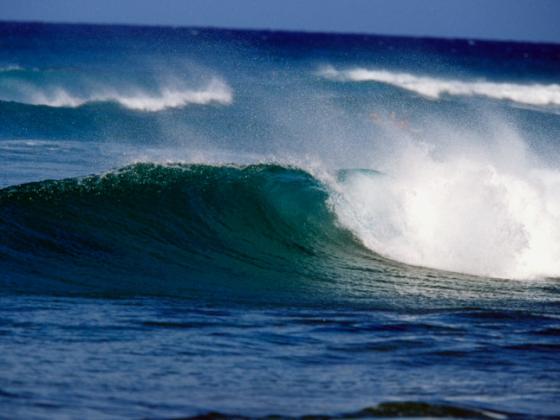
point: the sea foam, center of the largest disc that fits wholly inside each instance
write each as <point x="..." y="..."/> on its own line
<point x="458" y="212"/>
<point x="529" y="94"/>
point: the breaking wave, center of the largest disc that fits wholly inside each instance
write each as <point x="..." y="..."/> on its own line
<point x="199" y="226"/>
<point x="458" y="214"/>
<point x="139" y="99"/>
<point x="528" y="94"/>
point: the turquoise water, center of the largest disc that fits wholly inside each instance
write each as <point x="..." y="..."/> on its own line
<point x="225" y="223"/>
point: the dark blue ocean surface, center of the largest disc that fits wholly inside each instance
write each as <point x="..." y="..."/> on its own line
<point x="199" y="222"/>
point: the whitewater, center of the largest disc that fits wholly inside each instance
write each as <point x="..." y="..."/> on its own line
<point x="431" y="87"/>
<point x="132" y="97"/>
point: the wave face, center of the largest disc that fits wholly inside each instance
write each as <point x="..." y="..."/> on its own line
<point x="191" y="226"/>
<point x="529" y="94"/>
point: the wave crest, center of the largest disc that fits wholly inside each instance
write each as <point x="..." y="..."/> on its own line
<point x="216" y="91"/>
<point x="528" y="94"/>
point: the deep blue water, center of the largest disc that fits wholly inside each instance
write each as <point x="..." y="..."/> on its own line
<point x="226" y="223"/>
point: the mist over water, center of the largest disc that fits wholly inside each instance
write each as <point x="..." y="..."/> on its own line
<point x="372" y="222"/>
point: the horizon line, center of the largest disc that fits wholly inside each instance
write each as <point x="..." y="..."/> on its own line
<point x="289" y="31"/>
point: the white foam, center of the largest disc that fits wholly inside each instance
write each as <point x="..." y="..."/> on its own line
<point x="494" y="215"/>
<point x="55" y="97"/>
<point x="216" y="91"/>
<point x="431" y="87"/>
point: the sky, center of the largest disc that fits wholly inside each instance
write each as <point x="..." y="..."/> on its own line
<point x="525" y="20"/>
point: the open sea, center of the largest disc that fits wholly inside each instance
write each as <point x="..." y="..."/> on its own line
<point x="204" y="223"/>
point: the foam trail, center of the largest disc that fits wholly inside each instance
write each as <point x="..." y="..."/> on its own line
<point x="431" y="87"/>
<point x="216" y="91"/>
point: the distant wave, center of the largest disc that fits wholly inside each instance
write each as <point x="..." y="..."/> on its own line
<point x="16" y="68"/>
<point x="216" y="91"/>
<point x="431" y="87"/>
<point x="10" y="67"/>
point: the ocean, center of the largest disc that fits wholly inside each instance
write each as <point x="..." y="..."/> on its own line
<point x="212" y="223"/>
